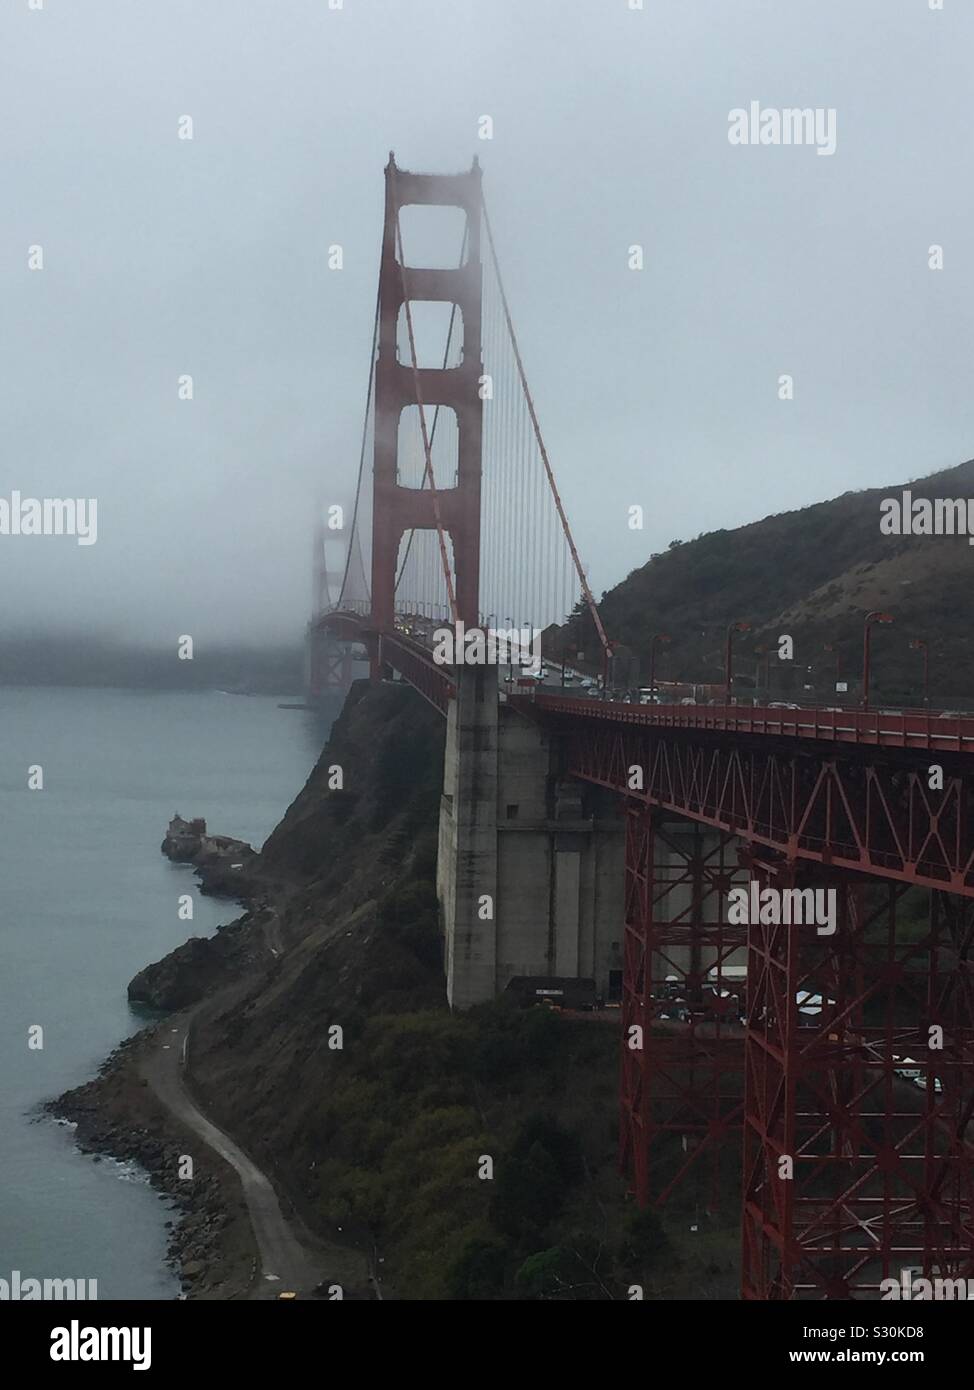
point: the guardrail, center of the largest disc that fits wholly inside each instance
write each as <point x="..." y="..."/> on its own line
<point x="416" y="665"/>
<point x="921" y="729"/>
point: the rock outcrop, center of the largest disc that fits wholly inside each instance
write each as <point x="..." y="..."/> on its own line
<point x="181" y="978"/>
<point x="187" y="842"/>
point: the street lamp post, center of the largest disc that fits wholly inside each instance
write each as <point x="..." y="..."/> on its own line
<point x="728" y="667"/>
<point x="867" y="627"/>
<point x="919" y="644"/>
<point x="658" y="637"/>
<point x="606" y="659"/>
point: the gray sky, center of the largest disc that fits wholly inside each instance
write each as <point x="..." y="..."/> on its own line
<point x="165" y="256"/>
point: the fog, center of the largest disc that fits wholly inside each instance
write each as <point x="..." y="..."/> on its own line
<point x="164" y="257"/>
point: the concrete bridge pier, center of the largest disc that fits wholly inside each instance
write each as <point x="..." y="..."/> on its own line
<point x="530" y="870"/>
<point x="467" y="859"/>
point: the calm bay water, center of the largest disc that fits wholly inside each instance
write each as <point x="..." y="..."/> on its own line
<point x="87" y="899"/>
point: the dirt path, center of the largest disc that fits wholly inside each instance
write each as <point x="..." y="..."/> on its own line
<point x="285" y="1263"/>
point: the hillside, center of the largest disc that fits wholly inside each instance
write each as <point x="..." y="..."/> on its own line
<point x="379" y="1146"/>
<point x="381" y="1142"/>
<point x="812" y="574"/>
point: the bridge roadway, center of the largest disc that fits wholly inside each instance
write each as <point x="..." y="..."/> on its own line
<point x="887" y="793"/>
<point x="926" y="730"/>
<point x="842" y="787"/>
<point x="922" y="729"/>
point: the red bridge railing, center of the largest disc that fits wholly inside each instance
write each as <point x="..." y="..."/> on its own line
<point x="920" y="729"/>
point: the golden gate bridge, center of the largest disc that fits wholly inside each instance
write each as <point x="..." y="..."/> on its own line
<point x="846" y="1175"/>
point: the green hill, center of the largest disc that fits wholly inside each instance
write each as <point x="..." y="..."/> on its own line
<point x="813" y="575"/>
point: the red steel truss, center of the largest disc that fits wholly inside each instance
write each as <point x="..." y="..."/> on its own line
<point x="853" y="808"/>
<point x="852" y="1171"/>
<point x="330" y="666"/>
<point x="331" y="639"/>
<point x="333" y="672"/>
<point x="682" y="1041"/>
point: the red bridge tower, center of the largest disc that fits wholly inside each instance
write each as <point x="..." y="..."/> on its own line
<point x="399" y="384"/>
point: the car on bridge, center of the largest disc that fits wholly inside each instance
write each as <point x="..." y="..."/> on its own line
<point x="921" y="1083"/>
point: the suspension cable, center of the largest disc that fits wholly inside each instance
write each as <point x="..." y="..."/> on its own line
<point x="586" y="591"/>
<point x="361" y="457"/>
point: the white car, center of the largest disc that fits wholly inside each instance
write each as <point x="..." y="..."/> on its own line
<point x="921" y="1083"/>
<point x="810" y="1004"/>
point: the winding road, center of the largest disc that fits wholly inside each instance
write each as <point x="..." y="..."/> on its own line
<point x="285" y="1264"/>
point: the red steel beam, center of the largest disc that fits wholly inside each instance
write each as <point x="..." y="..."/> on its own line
<point x="853" y="1173"/>
<point x="681" y="1072"/>
<point x="924" y="730"/>
<point x="416" y="665"/>
<point x="859" y="809"/>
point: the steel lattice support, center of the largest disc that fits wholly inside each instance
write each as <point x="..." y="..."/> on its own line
<point x="853" y="808"/>
<point x="682" y="1044"/>
<point x="331" y="641"/>
<point x="331" y="663"/>
<point x="853" y="1172"/>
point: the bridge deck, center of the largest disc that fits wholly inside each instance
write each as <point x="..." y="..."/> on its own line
<point x="923" y="730"/>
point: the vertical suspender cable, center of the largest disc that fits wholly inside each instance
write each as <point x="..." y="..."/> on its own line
<point x="361" y="457"/>
<point x="586" y="591"/>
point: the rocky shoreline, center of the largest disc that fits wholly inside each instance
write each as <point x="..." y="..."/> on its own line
<point x="210" y="1245"/>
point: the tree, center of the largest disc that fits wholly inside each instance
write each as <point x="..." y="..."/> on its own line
<point x="478" y="1271"/>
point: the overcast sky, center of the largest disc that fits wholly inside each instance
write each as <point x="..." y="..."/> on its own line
<point x="164" y="256"/>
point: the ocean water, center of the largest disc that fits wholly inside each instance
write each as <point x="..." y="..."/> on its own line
<point x="87" y="899"/>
